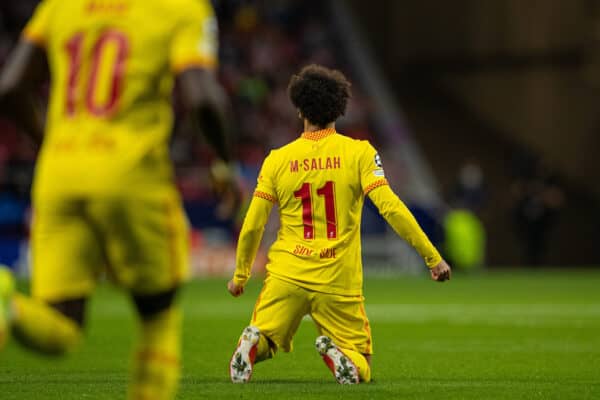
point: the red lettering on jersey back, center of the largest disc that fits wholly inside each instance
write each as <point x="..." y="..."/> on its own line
<point x="313" y="164"/>
<point x="317" y="164"/>
<point x="302" y="250"/>
<point x="306" y="164"/>
<point x="294" y="166"/>
<point x="327" y="253"/>
<point x="337" y="162"/>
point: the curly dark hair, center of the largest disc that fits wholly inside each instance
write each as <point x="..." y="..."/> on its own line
<point x="320" y="94"/>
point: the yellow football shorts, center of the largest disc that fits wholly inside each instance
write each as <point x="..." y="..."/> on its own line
<point x="139" y="241"/>
<point x="281" y="306"/>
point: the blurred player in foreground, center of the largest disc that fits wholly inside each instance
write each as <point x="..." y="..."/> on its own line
<point x="319" y="182"/>
<point x="104" y="196"/>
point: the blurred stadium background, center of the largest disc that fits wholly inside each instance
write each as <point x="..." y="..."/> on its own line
<point x="484" y="113"/>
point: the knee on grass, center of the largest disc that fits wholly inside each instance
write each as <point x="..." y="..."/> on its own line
<point x="265" y="349"/>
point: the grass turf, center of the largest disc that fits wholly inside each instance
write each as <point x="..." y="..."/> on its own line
<point x="508" y="335"/>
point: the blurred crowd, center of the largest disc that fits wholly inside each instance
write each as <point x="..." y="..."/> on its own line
<point x="536" y="198"/>
<point x="262" y="43"/>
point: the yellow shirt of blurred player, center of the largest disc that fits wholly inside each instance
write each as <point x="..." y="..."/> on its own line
<point x="319" y="182"/>
<point x="112" y="65"/>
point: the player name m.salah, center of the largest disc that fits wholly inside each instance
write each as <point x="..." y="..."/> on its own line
<point x="313" y="164"/>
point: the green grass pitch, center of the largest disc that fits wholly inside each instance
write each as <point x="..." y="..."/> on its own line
<point x="509" y="335"/>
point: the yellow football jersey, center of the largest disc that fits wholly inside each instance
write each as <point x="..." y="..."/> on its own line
<point x="319" y="182"/>
<point x="112" y="65"/>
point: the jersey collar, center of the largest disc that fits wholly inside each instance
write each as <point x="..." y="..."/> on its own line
<point x="318" y="135"/>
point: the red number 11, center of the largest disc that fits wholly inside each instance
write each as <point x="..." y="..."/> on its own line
<point x="305" y="195"/>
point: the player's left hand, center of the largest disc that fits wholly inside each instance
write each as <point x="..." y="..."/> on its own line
<point x="235" y="290"/>
<point x="441" y="272"/>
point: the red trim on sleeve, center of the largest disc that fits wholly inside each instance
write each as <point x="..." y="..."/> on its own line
<point x="376" y="184"/>
<point x="265" y="196"/>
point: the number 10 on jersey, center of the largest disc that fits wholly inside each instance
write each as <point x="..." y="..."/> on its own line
<point x="327" y="191"/>
<point x="74" y="48"/>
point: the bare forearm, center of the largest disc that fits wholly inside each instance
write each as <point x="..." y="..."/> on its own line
<point x="213" y="124"/>
<point x="21" y="75"/>
<point x="23" y="110"/>
<point x="205" y="99"/>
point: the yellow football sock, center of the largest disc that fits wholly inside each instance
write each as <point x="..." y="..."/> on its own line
<point x="264" y="351"/>
<point x="42" y="328"/>
<point x="156" y="364"/>
<point x="364" y="369"/>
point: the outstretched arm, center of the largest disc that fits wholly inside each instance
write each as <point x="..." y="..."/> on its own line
<point x="404" y="224"/>
<point x="248" y="242"/>
<point x="24" y="70"/>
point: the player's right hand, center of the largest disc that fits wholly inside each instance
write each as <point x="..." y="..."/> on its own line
<point x="235" y="290"/>
<point x="441" y="272"/>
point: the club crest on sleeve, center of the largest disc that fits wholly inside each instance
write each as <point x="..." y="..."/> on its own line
<point x="378" y="160"/>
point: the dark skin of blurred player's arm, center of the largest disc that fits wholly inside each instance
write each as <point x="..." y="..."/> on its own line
<point x="22" y="74"/>
<point x="207" y="104"/>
